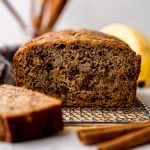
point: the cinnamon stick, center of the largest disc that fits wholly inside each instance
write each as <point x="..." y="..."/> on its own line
<point x="56" y="9"/>
<point x="127" y="141"/>
<point x="37" y="20"/>
<point x="96" y="135"/>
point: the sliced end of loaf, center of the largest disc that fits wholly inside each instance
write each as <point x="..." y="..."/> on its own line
<point x="83" y="68"/>
<point x="27" y="115"/>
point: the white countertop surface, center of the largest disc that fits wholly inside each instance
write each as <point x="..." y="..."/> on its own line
<point x="67" y="140"/>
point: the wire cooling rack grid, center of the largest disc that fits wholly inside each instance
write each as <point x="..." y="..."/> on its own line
<point x="88" y="115"/>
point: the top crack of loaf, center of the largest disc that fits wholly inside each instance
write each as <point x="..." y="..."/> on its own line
<point x="82" y="68"/>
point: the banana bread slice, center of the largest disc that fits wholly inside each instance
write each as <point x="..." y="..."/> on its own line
<point x="26" y="115"/>
<point x="83" y="68"/>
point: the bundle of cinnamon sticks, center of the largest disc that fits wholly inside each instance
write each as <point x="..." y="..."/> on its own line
<point x="117" y="137"/>
<point x="50" y="10"/>
<point x="43" y="20"/>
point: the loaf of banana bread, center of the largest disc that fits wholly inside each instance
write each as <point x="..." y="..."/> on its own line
<point x="26" y="115"/>
<point x="82" y="68"/>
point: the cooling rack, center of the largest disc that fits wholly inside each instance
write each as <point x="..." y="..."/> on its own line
<point x="92" y="115"/>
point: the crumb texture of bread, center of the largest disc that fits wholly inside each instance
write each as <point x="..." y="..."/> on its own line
<point x="82" y="68"/>
<point x="26" y="114"/>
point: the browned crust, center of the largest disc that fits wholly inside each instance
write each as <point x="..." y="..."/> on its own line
<point x="2" y="134"/>
<point x="33" y="125"/>
<point x="139" y="59"/>
<point x="72" y="37"/>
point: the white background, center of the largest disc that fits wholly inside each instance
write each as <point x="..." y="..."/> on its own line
<point x="93" y="14"/>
